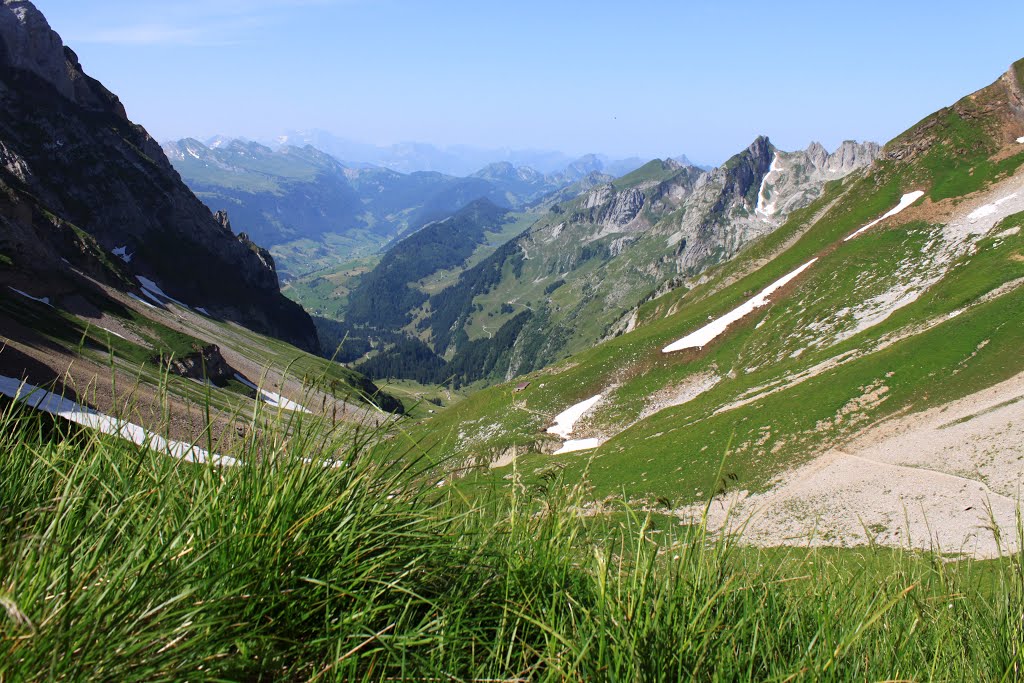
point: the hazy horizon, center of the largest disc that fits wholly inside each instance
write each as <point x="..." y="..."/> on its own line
<point x="656" y="80"/>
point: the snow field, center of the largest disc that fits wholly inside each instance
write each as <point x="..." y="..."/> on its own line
<point x="566" y="420"/>
<point x="766" y="209"/>
<point x="141" y="301"/>
<point x="905" y="201"/>
<point x="574" y="445"/>
<point x="989" y="209"/>
<point x="67" y="409"/>
<point x="270" y="398"/>
<point x="698" y="339"/>
<point x="152" y="290"/>
<point x="42" y="300"/>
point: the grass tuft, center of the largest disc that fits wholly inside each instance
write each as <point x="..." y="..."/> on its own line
<point x="118" y="563"/>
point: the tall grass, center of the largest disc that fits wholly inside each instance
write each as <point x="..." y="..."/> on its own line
<point x="117" y="563"/>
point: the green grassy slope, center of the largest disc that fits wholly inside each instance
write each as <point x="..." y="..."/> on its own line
<point x="769" y="415"/>
<point x="147" y="568"/>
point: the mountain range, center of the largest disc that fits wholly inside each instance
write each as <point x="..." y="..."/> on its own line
<point x="576" y="274"/>
<point x="313" y="211"/>
<point x="850" y="376"/>
<point x="456" y="160"/>
<point x="826" y="344"/>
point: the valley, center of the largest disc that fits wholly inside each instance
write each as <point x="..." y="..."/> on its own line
<point x="300" y="407"/>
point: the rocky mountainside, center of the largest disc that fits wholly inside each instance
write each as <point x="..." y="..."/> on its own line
<point x="577" y="274"/>
<point x="80" y="182"/>
<point x="853" y="376"/>
<point x="120" y="292"/>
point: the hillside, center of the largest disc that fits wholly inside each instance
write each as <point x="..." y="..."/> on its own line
<point x="119" y="290"/>
<point x="575" y="275"/>
<point x="896" y="291"/>
<point x="79" y="181"/>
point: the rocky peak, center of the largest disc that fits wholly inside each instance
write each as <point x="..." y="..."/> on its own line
<point x="29" y="44"/>
<point x="586" y="164"/>
<point x="817" y="154"/>
<point x="761" y="149"/>
<point x="264" y="257"/>
<point x="742" y="173"/>
<point x="222" y="219"/>
<point x="850" y="155"/>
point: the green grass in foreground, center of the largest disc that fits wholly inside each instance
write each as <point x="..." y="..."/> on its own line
<point x="117" y="563"/>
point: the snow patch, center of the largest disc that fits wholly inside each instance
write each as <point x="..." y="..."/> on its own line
<point x="698" y="339"/>
<point x="141" y="301"/>
<point x="989" y="209"/>
<point x="1020" y="140"/>
<point x="42" y="300"/>
<point x="575" y="445"/>
<point x="51" y="403"/>
<point x="152" y="297"/>
<point x="122" y="253"/>
<point x="113" y="333"/>
<point x="1010" y="232"/>
<point x="153" y="291"/>
<point x="566" y="420"/>
<point x="270" y="398"/>
<point x="204" y="312"/>
<point x="905" y="201"/>
<point x="764" y="208"/>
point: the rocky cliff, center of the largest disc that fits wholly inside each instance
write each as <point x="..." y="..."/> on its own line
<point x="80" y="181"/>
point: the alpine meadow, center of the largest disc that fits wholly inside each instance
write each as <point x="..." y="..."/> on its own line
<point x="377" y="383"/>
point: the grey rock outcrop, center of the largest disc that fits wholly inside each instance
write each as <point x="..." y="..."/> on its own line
<point x="204" y="363"/>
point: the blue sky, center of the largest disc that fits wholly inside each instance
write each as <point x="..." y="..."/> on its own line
<point x="642" y="78"/>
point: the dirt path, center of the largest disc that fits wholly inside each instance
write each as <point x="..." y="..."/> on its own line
<point x="947" y="478"/>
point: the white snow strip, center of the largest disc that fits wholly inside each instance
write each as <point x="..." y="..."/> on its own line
<point x="152" y="297"/>
<point x="113" y="333"/>
<point x="574" y="445"/>
<point x="1010" y="232"/>
<point x="698" y="339"/>
<point x="42" y="300"/>
<point x="763" y="208"/>
<point x="271" y="398"/>
<point x="1020" y="140"/>
<point x="154" y="288"/>
<point x="141" y="301"/>
<point x="566" y="420"/>
<point x="204" y="312"/>
<point x="989" y="209"/>
<point x="905" y="201"/>
<point x="981" y="212"/>
<point x="122" y="253"/>
<point x="51" y="403"/>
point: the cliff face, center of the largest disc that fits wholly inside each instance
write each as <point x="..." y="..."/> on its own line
<point x="74" y="168"/>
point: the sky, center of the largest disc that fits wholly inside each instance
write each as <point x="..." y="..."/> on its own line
<point x="645" y="78"/>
